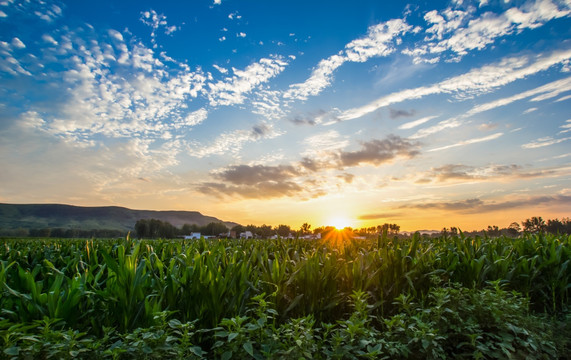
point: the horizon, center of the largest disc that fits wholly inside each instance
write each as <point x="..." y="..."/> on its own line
<point x="451" y="114"/>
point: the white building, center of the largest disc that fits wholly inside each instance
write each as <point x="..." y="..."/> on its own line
<point x="194" y="235"/>
<point x="246" y="235"/>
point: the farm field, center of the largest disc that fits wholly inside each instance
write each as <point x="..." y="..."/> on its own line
<point x="416" y="298"/>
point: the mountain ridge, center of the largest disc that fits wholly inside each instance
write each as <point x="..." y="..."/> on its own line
<point x="35" y="216"/>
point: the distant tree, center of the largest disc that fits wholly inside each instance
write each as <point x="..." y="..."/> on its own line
<point x="444" y="232"/>
<point x="265" y="231"/>
<point x="555" y="226"/>
<point x="514" y="229"/>
<point x="238" y="229"/>
<point x="215" y="229"/>
<point x="283" y="230"/>
<point x="493" y="230"/>
<point x="187" y="229"/>
<point x="534" y="225"/>
<point x="394" y="228"/>
<point x="305" y="229"/>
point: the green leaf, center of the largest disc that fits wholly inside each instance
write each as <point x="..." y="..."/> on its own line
<point x="13" y="351"/>
<point x="197" y="350"/>
<point x="227" y="355"/>
<point x="249" y="348"/>
<point x="232" y="336"/>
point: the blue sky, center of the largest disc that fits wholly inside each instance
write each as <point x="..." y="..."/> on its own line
<point x="425" y="114"/>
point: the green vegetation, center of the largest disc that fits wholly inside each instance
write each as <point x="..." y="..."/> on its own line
<point x="447" y="297"/>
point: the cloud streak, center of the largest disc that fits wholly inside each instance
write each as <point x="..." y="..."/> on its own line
<point x="475" y="82"/>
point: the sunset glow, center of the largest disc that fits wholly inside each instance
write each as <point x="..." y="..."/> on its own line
<point x="339" y="223"/>
<point x="445" y="113"/>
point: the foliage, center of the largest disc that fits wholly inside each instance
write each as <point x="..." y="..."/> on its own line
<point x="422" y="297"/>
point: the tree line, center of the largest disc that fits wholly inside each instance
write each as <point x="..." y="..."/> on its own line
<point x="154" y="228"/>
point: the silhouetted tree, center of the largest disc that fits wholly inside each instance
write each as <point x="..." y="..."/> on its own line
<point x="283" y="230"/>
<point x="534" y="225"/>
<point x="305" y="229"/>
<point x="514" y="229"/>
<point x="265" y="231"/>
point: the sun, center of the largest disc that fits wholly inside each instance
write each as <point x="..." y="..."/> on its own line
<point x="339" y="222"/>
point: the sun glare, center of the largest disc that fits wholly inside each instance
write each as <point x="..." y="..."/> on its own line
<point x="339" y="222"/>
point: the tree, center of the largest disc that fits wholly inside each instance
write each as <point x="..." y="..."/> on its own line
<point x="238" y="229"/>
<point x="534" y="225"/>
<point x="283" y="230"/>
<point x="493" y="230"/>
<point x="305" y="229"/>
<point x="514" y="229"/>
<point x="265" y="231"/>
<point x="215" y="228"/>
<point x="394" y="228"/>
<point x="555" y="227"/>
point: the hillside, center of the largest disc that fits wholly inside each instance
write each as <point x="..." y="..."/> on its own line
<point x="36" y="216"/>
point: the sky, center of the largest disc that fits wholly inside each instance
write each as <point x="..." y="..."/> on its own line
<point x="426" y="114"/>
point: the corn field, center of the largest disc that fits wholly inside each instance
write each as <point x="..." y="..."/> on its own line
<point x="383" y="298"/>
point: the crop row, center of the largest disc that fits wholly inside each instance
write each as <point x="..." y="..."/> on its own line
<point x="123" y="283"/>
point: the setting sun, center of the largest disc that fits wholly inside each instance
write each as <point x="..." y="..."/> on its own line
<point x="339" y="222"/>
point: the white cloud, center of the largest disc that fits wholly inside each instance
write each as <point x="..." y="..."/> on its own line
<point x="322" y="145"/>
<point x="445" y="124"/>
<point x="196" y="117"/>
<point x="3" y="14"/>
<point x="49" y="39"/>
<point x="320" y="78"/>
<point x="415" y="123"/>
<point x="116" y="35"/>
<point x="233" y="90"/>
<point x="484" y="30"/>
<point x="18" y="44"/>
<point x="468" y="142"/>
<point x="530" y="110"/>
<point x="232" y="142"/>
<point x="222" y="38"/>
<point x="377" y="42"/>
<point x="221" y="69"/>
<point x="444" y="23"/>
<point x="140" y="96"/>
<point x="217" y="2"/>
<point x="156" y="22"/>
<point x="566" y="127"/>
<point x="267" y="103"/>
<point x="241" y="34"/>
<point x="544" y="92"/>
<point x="546" y="141"/>
<point x="475" y="82"/>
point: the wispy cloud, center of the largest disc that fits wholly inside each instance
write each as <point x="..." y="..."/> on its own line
<point x="542" y="142"/>
<point x="476" y="205"/>
<point x="231" y="142"/>
<point x="475" y="82"/>
<point x="415" y="123"/>
<point x="379" y="41"/>
<point x="547" y="91"/>
<point x="468" y="142"/>
<point x="459" y="173"/>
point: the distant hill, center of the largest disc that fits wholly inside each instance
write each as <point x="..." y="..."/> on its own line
<point x="37" y="216"/>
